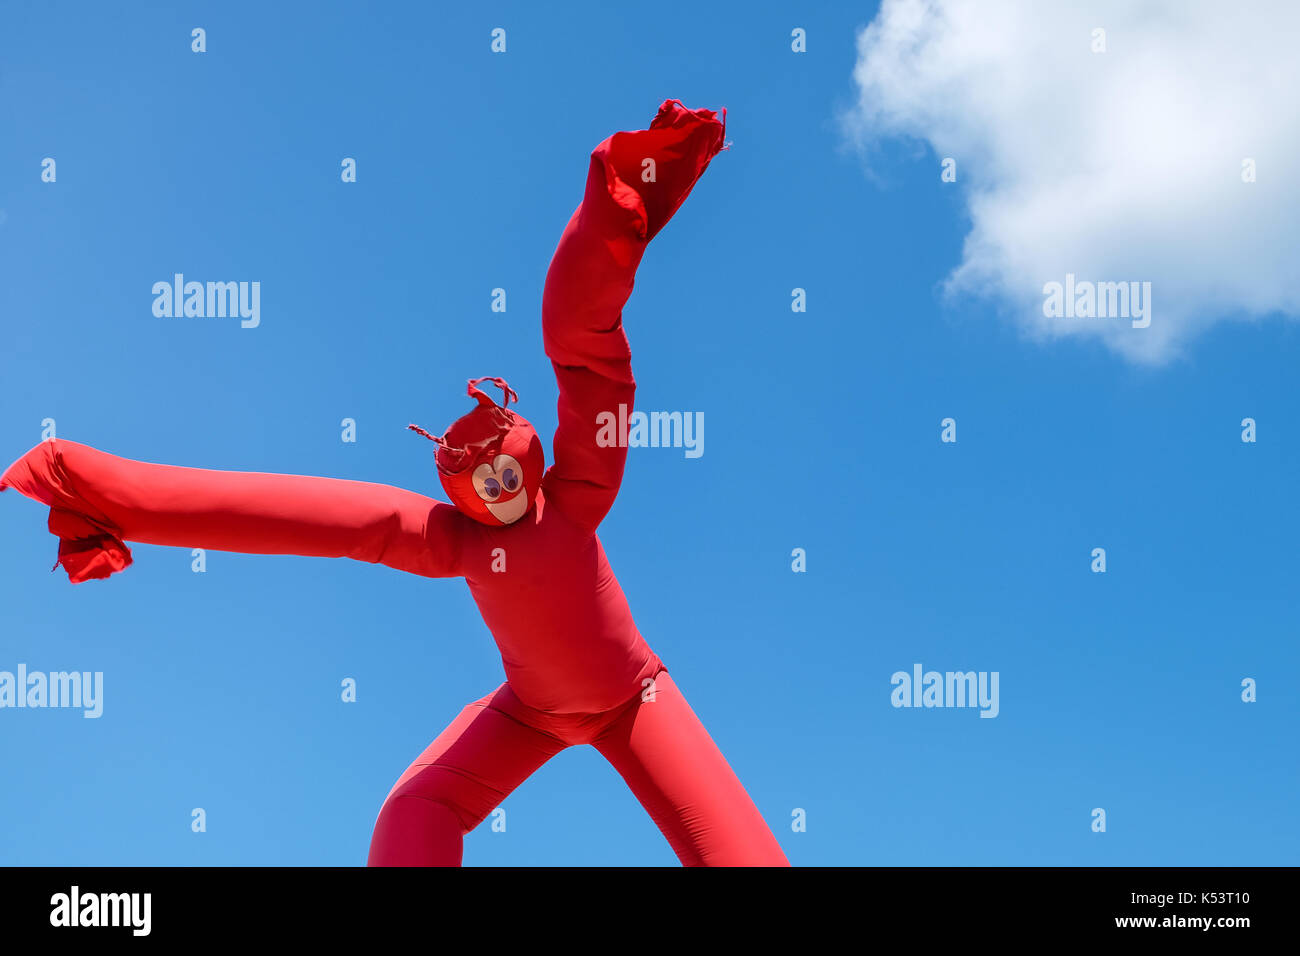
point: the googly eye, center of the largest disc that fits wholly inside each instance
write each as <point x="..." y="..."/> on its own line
<point x="486" y="484"/>
<point x="503" y="476"/>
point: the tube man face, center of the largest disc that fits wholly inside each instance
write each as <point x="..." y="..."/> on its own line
<point x="490" y="460"/>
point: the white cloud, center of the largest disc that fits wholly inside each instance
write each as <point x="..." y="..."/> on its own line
<point x="1117" y="166"/>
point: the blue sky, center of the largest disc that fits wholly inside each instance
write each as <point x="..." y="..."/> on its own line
<point x="1118" y="690"/>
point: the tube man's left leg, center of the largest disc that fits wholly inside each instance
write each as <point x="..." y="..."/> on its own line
<point x="676" y="771"/>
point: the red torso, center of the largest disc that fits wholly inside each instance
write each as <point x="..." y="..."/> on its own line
<point x="557" y="613"/>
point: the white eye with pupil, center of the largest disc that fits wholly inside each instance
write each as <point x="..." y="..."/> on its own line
<point x="502" y="476"/>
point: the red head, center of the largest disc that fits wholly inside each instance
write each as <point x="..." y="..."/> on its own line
<point x="490" y="460"/>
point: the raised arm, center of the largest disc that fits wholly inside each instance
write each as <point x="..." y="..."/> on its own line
<point x="97" y="501"/>
<point x="635" y="182"/>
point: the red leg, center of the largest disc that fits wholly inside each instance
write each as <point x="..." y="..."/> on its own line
<point x="460" y="778"/>
<point x="676" y="771"/>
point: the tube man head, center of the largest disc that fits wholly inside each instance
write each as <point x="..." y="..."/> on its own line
<point x="490" y="460"/>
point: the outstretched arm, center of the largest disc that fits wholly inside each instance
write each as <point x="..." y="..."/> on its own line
<point x="97" y="501"/>
<point x="635" y="182"/>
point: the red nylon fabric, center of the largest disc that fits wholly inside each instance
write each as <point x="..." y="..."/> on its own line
<point x="571" y="651"/>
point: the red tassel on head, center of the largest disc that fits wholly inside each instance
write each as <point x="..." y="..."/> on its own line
<point x="489" y="457"/>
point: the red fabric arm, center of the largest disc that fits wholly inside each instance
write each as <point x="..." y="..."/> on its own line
<point x="97" y="501"/>
<point x="590" y="280"/>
